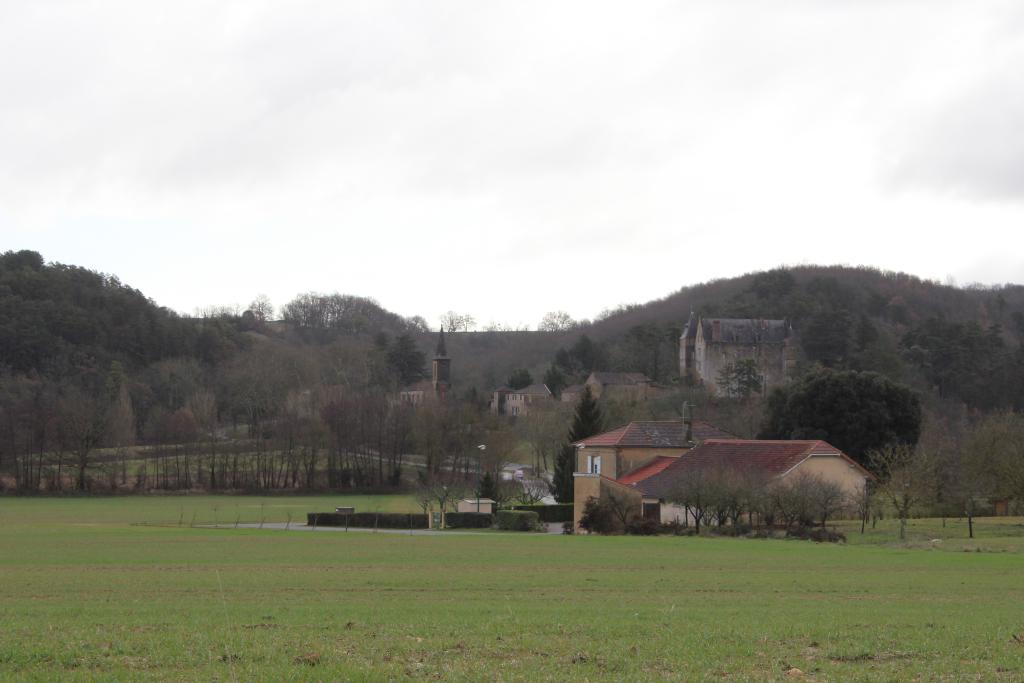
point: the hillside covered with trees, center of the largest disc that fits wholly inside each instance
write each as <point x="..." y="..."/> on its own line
<point x="101" y="388"/>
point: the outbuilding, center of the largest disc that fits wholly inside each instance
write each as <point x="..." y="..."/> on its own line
<point x="476" y="505"/>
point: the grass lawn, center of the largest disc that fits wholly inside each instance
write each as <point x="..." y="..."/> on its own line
<point x="85" y="595"/>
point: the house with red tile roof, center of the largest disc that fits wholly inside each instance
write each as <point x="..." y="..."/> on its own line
<point x="634" y="452"/>
<point x="768" y="461"/>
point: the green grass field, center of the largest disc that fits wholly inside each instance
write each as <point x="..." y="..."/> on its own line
<point x="87" y="595"/>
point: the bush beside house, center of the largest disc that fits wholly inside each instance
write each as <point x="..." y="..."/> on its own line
<point x="517" y="520"/>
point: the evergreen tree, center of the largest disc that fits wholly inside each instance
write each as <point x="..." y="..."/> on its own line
<point x="587" y="422"/>
<point x="407" y="361"/>
<point x="857" y="412"/>
<point x="555" y="380"/>
<point x="487" y="488"/>
<point x="588" y="419"/>
<point x="519" y="379"/>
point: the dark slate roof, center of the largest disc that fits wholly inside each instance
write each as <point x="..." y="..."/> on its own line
<point x="533" y="390"/>
<point x="767" y="458"/>
<point x="655" y="434"/>
<point x="625" y="378"/>
<point x="746" y="330"/>
<point x="440" y="351"/>
<point x="422" y="385"/>
<point x="690" y="331"/>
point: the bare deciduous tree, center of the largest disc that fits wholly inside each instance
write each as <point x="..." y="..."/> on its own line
<point x="457" y="322"/>
<point x="262" y="308"/>
<point x="556" y="321"/>
<point x="907" y="479"/>
<point x="82" y="427"/>
<point x="531" y="491"/>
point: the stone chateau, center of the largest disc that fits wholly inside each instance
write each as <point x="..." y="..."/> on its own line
<point x="710" y="345"/>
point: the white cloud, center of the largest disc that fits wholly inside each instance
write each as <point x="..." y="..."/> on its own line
<point x="503" y="158"/>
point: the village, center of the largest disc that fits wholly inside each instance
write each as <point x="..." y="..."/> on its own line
<point x="511" y="341"/>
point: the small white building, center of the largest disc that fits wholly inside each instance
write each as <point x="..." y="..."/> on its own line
<point x="476" y="505"/>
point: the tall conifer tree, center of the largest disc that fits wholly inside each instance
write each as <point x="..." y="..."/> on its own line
<point x="587" y="422"/>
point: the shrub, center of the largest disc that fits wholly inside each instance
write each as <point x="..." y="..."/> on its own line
<point x="568" y="528"/>
<point x="676" y="528"/>
<point x="368" y="520"/>
<point x="643" y="527"/>
<point x="517" y="520"/>
<point x="816" y="534"/>
<point x="597" y="517"/>
<point x="549" y="514"/>
<point x="468" y="520"/>
<point x="740" y="529"/>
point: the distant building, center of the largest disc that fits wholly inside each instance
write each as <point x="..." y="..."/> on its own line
<point x="438" y="385"/>
<point x="572" y="394"/>
<point x="644" y="462"/>
<point x="767" y="461"/>
<point x="616" y="386"/>
<point x="485" y="505"/>
<point x="710" y="345"/>
<point x="631" y="386"/>
<point x="508" y="401"/>
<point x="620" y="458"/>
<point x="641" y="443"/>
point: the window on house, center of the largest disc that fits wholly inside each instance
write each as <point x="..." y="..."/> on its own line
<point x="594" y="464"/>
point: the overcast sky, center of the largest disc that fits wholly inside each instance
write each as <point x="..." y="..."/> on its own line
<point x="508" y="159"/>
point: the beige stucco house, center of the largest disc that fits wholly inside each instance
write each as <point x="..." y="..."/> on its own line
<point x="619" y="457"/>
<point x="767" y="461"/>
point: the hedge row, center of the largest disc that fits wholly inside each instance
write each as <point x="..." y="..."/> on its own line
<point x="549" y="514"/>
<point x="516" y="520"/>
<point x="368" y="520"/>
<point x="468" y="520"/>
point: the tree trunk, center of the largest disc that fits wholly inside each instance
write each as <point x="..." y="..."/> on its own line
<point x="83" y="461"/>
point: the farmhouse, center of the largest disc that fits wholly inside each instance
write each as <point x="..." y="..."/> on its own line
<point x="650" y="488"/>
<point x="634" y="452"/>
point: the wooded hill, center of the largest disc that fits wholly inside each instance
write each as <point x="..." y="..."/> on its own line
<point x="89" y="363"/>
<point x="70" y="323"/>
<point x="963" y="342"/>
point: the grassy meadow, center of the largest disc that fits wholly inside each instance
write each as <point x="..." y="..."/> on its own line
<point x="89" y="593"/>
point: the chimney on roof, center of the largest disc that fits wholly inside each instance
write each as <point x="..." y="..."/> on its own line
<point x="688" y="421"/>
<point x="716" y="330"/>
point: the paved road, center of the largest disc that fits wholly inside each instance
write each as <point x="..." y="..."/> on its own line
<point x="552" y="529"/>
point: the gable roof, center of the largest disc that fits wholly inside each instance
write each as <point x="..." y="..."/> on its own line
<point x="655" y="434"/>
<point x="769" y="458"/>
<point x="745" y="330"/>
<point x="625" y="378"/>
<point x="648" y="470"/>
<point x="421" y="385"/>
<point x="532" y="390"/>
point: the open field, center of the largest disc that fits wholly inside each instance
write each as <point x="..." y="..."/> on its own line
<point x="86" y="595"/>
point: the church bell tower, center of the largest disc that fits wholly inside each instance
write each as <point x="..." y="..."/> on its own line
<point x="442" y="368"/>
